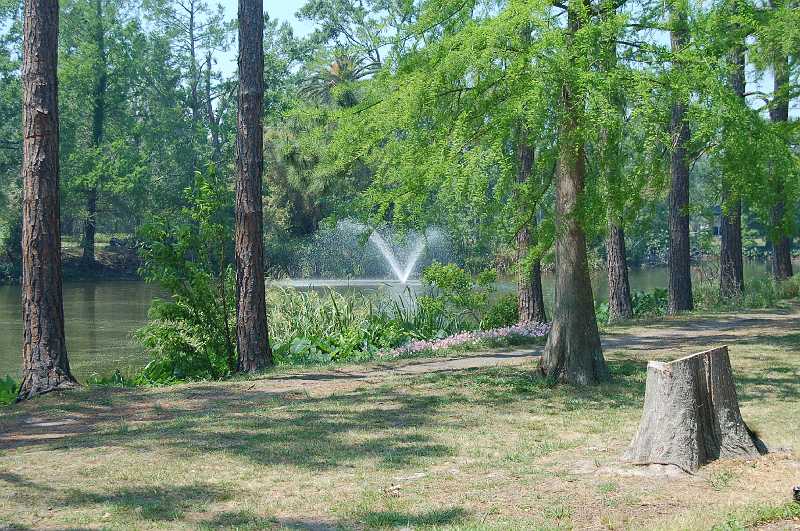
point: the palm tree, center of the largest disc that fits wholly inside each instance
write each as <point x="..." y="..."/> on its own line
<point x="345" y="69"/>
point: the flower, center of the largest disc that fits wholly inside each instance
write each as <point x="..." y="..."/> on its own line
<point x="520" y="330"/>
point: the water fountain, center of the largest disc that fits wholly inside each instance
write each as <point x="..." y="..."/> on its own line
<point x="401" y="272"/>
<point x="351" y="253"/>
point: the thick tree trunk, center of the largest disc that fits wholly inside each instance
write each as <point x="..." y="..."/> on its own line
<point x="45" y="365"/>
<point x="691" y="414"/>
<point x="731" y="270"/>
<point x="252" y="339"/>
<point x="779" y="113"/>
<point x="620" y="306"/>
<point x="573" y="353"/>
<point x="98" y="132"/>
<point x="680" y="278"/>
<point x="530" y="298"/>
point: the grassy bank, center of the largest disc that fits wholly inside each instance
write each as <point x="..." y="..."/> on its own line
<point x="489" y="448"/>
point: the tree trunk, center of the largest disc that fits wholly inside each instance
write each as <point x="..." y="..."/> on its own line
<point x="252" y="339"/>
<point x="530" y="298"/>
<point x="573" y="353"/>
<point x="45" y="365"/>
<point x="98" y="132"/>
<point x="731" y="269"/>
<point x="680" y="279"/>
<point x="691" y="414"/>
<point x="213" y="121"/>
<point x="779" y="113"/>
<point x="620" y="306"/>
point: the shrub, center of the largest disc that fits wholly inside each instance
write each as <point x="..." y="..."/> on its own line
<point x="8" y="390"/>
<point x="190" y="336"/>
<point x="465" y="302"/>
<point x="504" y="312"/>
<point x="650" y="304"/>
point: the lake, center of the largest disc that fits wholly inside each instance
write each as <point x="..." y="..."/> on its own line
<point x="100" y="316"/>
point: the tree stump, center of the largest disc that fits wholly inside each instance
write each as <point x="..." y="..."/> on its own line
<point x="691" y="414"/>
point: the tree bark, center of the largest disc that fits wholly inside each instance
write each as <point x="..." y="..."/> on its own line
<point x="573" y="353"/>
<point x="691" y="414"/>
<point x="98" y="132"/>
<point x="213" y="120"/>
<point x="680" y="279"/>
<point x="252" y="338"/>
<point x="731" y="268"/>
<point x="45" y="365"/>
<point x="779" y="114"/>
<point x="530" y="298"/>
<point x="620" y="306"/>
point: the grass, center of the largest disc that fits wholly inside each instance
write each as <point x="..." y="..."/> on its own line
<point x="491" y="448"/>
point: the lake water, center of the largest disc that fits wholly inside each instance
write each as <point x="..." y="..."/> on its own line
<point x="100" y="316"/>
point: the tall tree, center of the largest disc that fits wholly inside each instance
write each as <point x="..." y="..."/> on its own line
<point x="252" y="338"/>
<point x="573" y="353"/>
<point x="530" y="299"/>
<point x="680" y="277"/>
<point x="45" y="365"/>
<point x="100" y="71"/>
<point x="779" y="115"/>
<point x="731" y="267"/>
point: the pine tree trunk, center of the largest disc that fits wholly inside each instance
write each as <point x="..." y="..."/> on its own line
<point x="252" y="340"/>
<point x="691" y="414"/>
<point x="573" y="353"/>
<point x="779" y="113"/>
<point x="680" y="279"/>
<point x="731" y="268"/>
<point x="620" y="306"/>
<point x="45" y="365"/>
<point x="530" y="298"/>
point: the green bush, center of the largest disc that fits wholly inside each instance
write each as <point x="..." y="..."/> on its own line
<point x="504" y="312"/>
<point x="313" y="327"/>
<point x="758" y="293"/>
<point x="463" y="301"/>
<point x="190" y="336"/>
<point x="650" y="304"/>
<point x="8" y="390"/>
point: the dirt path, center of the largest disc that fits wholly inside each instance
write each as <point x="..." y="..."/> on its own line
<point x="40" y="422"/>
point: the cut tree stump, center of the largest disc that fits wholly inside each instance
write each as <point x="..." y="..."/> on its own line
<point x="691" y="414"/>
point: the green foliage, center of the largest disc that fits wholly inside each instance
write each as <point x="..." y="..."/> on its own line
<point x="758" y="293"/>
<point x="115" y="379"/>
<point x="190" y="336"/>
<point x="644" y="304"/>
<point x="504" y="312"/>
<point x="462" y="299"/>
<point x="650" y="304"/>
<point x="8" y="390"/>
<point x="322" y="327"/>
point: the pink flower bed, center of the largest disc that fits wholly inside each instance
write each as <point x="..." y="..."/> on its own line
<point x="524" y="330"/>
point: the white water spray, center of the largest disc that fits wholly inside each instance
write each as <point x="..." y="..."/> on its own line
<point x="401" y="272"/>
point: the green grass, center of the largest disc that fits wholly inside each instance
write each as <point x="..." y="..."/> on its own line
<point x="491" y="448"/>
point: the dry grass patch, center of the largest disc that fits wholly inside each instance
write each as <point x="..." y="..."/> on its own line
<point x="485" y="448"/>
